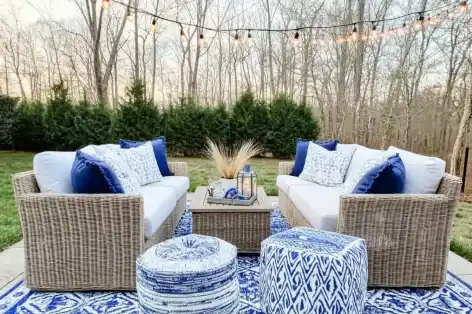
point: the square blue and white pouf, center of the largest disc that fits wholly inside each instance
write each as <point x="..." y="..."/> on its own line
<point x="304" y="270"/>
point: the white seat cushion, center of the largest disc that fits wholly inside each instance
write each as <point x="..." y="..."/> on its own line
<point x="284" y="182"/>
<point x="159" y="201"/>
<point x="318" y="204"/>
<point x="423" y="173"/>
<point x="52" y="171"/>
<point x="180" y="184"/>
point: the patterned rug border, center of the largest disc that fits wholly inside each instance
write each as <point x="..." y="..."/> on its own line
<point x="456" y="277"/>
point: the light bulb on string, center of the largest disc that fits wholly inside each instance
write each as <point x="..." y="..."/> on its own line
<point x="373" y="32"/>
<point x="463" y="6"/>
<point x="236" y="40"/>
<point x="154" y="26"/>
<point x="249" y="37"/>
<point x="354" y="33"/>
<point x="401" y="30"/>
<point x="419" y="23"/>
<point x="129" y="16"/>
<point x="201" y="40"/>
<point x="296" y="38"/>
<point x="105" y="4"/>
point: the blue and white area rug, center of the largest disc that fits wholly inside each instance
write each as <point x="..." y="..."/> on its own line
<point x="455" y="297"/>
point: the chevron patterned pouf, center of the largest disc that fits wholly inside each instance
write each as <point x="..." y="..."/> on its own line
<point x="304" y="270"/>
<point x="190" y="274"/>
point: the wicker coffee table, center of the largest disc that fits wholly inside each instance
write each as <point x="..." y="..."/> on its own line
<point x="243" y="226"/>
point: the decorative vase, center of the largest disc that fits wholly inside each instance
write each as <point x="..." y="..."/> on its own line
<point x="225" y="184"/>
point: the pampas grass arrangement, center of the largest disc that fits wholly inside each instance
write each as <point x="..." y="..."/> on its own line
<point x="229" y="160"/>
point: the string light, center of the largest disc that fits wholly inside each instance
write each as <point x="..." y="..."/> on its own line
<point x="419" y="23"/>
<point x="153" y="26"/>
<point x="129" y="15"/>
<point x="354" y="32"/>
<point x="201" y="40"/>
<point x="463" y="6"/>
<point x="296" y="38"/>
<point x="236" y="39"/>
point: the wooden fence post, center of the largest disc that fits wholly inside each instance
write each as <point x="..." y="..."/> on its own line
<point x="464" y="172"/>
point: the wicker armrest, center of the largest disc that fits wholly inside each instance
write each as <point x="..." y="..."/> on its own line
<point x="178" y="168"/>
<point x="285" y="167"/>
<point x="24" y="182"/>
<point x="450" y="186"/>
<point x="407" y="236"/>
<point x="81" y="242"/>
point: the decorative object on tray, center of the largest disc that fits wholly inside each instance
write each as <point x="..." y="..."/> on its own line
<point x="247" y="183"/>
<point x="229" y="160"/>
<point x="229" y="197"/>
<point x="189" y="274"/>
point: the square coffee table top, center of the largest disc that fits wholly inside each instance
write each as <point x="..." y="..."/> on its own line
<point x="199" y="203"/>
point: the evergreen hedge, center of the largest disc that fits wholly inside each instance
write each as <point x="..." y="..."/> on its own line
<point x="7" y="109"/>
<point x="60" y="124"/>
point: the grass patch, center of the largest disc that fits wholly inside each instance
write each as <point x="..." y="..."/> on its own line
<point x="199" y="171"/>
<point x="461" y="243"/>
<point x="10" y="163"/>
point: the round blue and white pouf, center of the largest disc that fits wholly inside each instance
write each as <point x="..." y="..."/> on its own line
<point x="190" y="274"/>
<point x="304" y="270"/>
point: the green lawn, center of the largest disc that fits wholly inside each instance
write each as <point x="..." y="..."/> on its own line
<point x="199" y="171"/>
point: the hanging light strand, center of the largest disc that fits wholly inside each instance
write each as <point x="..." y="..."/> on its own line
<point x="462" y="5"/>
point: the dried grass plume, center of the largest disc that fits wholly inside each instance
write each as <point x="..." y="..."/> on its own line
<point x="229" y="160"/>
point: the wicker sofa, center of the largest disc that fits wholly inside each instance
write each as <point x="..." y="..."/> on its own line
<point x="407" y="235"/>
<point x="86" y="241"/>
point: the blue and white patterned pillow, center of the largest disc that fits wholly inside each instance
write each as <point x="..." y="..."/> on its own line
<point x="325" y="167"/>
<point x="126" y="176"/>
<point x="141" y="160"/>
<point x="368" y="165"/>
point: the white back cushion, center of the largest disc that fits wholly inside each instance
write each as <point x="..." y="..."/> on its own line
<point x="52" y="171"/>
<point x="423" y="173"/>
<point x="360" y="157"/>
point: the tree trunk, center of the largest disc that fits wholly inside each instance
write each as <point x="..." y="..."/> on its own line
<point x="463" y="130"/>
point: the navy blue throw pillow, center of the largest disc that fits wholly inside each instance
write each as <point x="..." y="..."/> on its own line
<point x="91" y="176"/>
<point x="388" y="178"/>
<point x="159" y="146"/>
<point x="302" y="149"/>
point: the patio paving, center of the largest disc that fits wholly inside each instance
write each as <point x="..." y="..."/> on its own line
<point x="12" y="262"/>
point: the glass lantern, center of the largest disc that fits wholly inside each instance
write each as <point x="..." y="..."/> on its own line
<point x="246" y="182"/>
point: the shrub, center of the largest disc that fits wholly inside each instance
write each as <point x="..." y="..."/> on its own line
<point x="288" y="122"/>
<point x="185" y="129"/>
<point x="92" y="125"/>
<point x="28" y="127"/>
<point x="7" y="107"/>
<point x="249" y="120"/>
<point x="59" y="120"/>
<point x="137" y="119"/>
